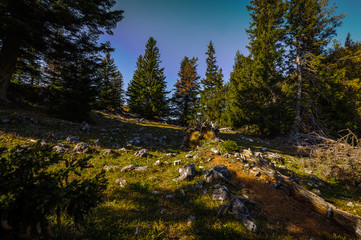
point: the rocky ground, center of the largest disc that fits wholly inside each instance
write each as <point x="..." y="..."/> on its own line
<point x="160" y="190"/>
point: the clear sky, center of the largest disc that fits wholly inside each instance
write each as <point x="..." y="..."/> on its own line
<point x="185" y="27"/>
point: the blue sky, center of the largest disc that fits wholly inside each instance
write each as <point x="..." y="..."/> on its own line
<point x="185" y="27"/>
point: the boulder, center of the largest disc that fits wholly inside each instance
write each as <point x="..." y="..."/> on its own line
<point x="241" y="213"/>
<point x="188" y="172"/>
<point x="221" y="193"/>
<point x="221" y="169"/>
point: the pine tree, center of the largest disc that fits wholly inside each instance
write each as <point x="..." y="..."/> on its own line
<point x="212" y="94"/>
<point x="147" y="90"/>
<point x="110" y="85"/>
<point x="185" y="99"/>
<point x="311" y="25"/>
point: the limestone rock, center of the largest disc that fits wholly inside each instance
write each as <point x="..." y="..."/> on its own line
<point x="72" y="139"/>
<point x="221" y="193"/>
<point x="222" y="169"/>
<point x="108" y="152"/>
<point x="187" y="172"/>
<point x="142" y="153"/>
<point x="81" y="147"/>
<point x="128" y="168"/>
<point x="141" y="168"/>
<point x="121" y="182"/>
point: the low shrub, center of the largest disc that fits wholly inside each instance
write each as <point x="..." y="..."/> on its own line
<point x="36" y="183"/>
<point x="229" y="146"/>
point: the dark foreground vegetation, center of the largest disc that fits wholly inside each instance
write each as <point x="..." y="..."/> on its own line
<point x="78" y="163"/>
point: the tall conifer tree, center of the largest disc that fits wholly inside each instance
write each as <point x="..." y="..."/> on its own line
<point x="147" y="90"/>
<point x="311" y="25"/>
<point x="185" y="98"/>
<point x="110" y="85"/>
<point x="212" y="94"/>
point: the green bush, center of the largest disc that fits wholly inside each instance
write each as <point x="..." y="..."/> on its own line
<point x="36" y="183"/>
<point x="230" y="146"/>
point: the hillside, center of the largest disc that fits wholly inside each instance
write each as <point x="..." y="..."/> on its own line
<point x="146" y="198"/>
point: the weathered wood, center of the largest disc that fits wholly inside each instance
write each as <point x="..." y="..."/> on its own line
<point x="345" y="219"/>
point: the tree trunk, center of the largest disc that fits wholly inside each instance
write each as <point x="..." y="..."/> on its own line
<point x="299" y="93"/>
<point x="9" y="54"/>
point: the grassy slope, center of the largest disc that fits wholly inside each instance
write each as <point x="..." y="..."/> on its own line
<point x="136" y="205"/>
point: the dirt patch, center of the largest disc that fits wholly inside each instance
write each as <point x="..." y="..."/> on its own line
<point x="283" y="212"/>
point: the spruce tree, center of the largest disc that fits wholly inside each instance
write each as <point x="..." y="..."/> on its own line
<point x="147" y="90"/>
<point x="255" y="94"/>
<point x="311" y="25"/>
<point x="185" y="99"/>
<point x="110" y="85"/>
<point x="30" y="24"/>
<point x="212" y="94"/>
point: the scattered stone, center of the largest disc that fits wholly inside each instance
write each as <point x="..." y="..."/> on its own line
<point x="123" y="149"/>
<point x="5" y="120"/>
<point x="141" y="169"/>
<point x="205" y="191"/>
<point x="177" y="162"/>
<point x="121" y="182"/>
<point x="248" y="152"/>
<point x="103" y="130"/>
<point x="169" y="196"/>
<point x="276" y="157"/>
<point x="166" y="162"/>
<point x="257" y="174"/>
<point x="84" y="126"/>
<point x="153" y="178"/>
<point x="227" y="155"/>
<point x="208" y="176"/>
<point x="350" y="204"/>
<point x="59" y="149"/>
<point x="187" y="172"/>
<point x="107" y="168"/>
<point x="97" y="142"/>
<point x="264" y="149"/>
<point x="142" y="153"/>
<point x="221" y="193"/>
<point x="189" y="155"/>
<point x="209" y="159"/>
<point x="221" y="169"/>
<point x="237" y="154"/>
<point x="157" y="163"/>
<point x="81" y="147"/>
<point x="108" y="152"/>
<point x="216" y="151"/>
<point x="72" y="139"/>
<point x="155" y="192"/>
<point x="190" y="220"/>
<point x="128" y="168"/>
<point x="309" y="171"/>
<point x="171" y="154"/>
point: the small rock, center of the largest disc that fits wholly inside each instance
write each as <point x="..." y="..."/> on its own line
<point x="187" y="172"/>
<point x="257" y="174"/>
<point x="350" y="204"/>
<point x="108" y="152"/>
<point x="177" y="162"/>
<point x="166" y="162"/>
<point x="59" y="149"/>
<point x="72" y="139"/>
<point x="142" y="153"/>
<point x="227" y="155"/>
<point x="216" y="151"/>
<point x="121" y="182"/>
<point x="264" y="149"/>
<point x="316" y="191"/>
<point x="137" y="231"/>
<point x="128" y="168"/>
<point x="107" y="168"/>
<point x="171" y="154"/>
<point x="205" y="191"/>
<point x="84" y="126"/>
<point x="189" y="155"/>
<point x="155" y="192"/>
<point x="169" y="196"/>
<point x="141" y="169"/>
<point x="190" y="220"/>
<point x="123" y="149"/>
<point x="81" y="147"/>
<point x="157" y="163"/>
<point x="97" y="142"/>
<point x="209" y="159"/>
<point x="5" y="120"/>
